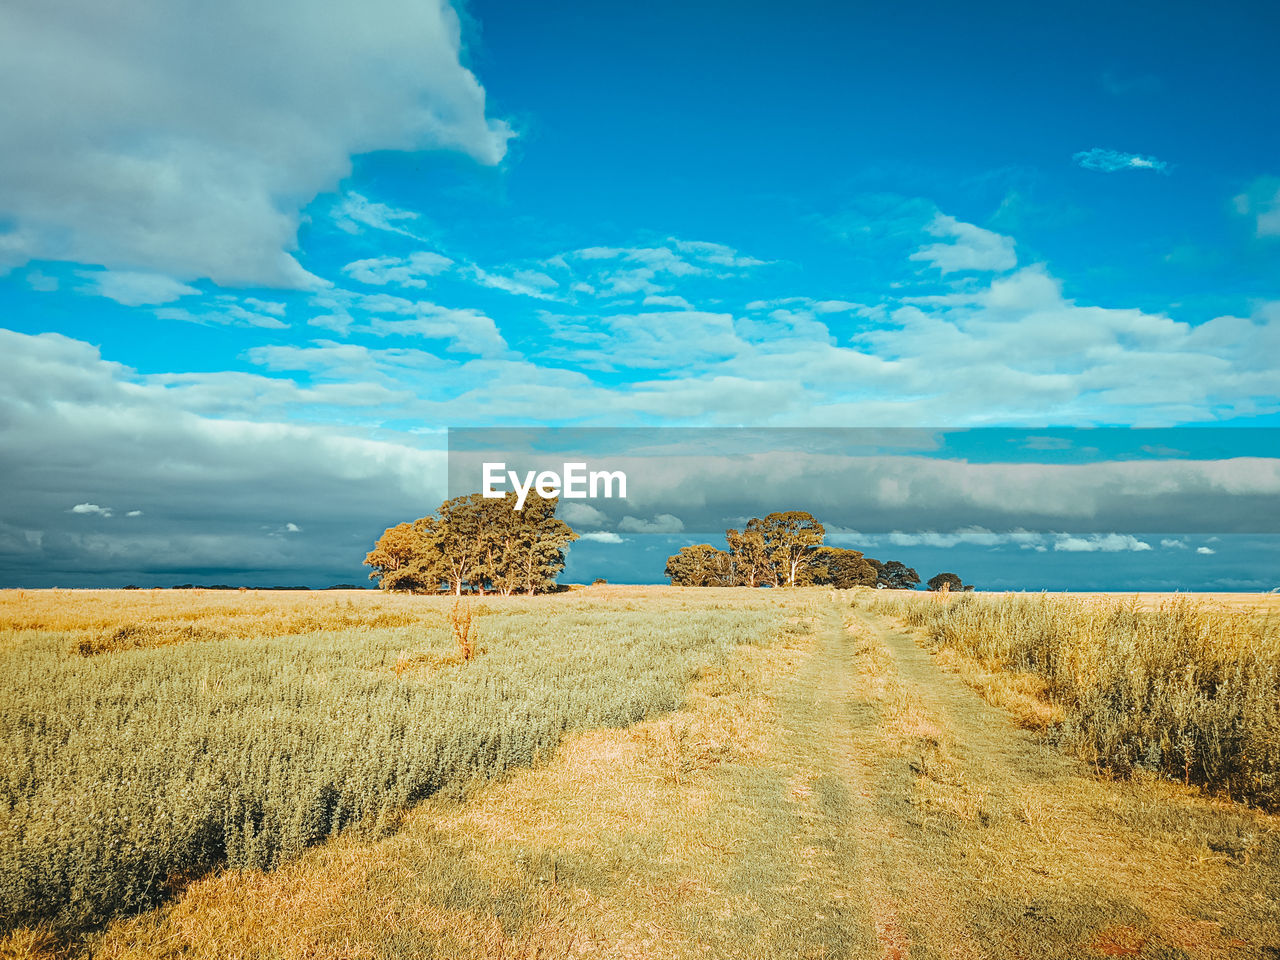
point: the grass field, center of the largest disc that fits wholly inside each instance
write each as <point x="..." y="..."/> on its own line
<point x="1189" y="688"/>
<point x="619" y="772"/>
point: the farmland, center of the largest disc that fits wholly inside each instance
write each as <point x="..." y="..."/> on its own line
<point x="634" y="772"/>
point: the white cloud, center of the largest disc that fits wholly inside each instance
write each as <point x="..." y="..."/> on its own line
<point x="399" y="271"/>
<point x="225" y="311"/>
<point x="1206" y="551"/>
<point x="646" y="340"/>
<point x="1174" y="544"/>
<point x="581" y="514"/>
<point x="292" y="528"/>
<point x="601" y="536"/>
<point x="467" y="330"/>
<point x="354" y="212"/>
<point x="134" y="513"/>
<point x="611" y="272"/>
<point x="662" y="523"/>
<point x="269" y="307"/>
<point x="1110" y="161"/>
<point x="91" y="508"/>
<point x="679" y="303"/>
<point x="971" y="247"/>
<point x="523" y="283"/>
<point x="1101" y="543"/>
<point x="975" y="536"/>
<point x="188" y="138"/>
<point x="715" y="254"/>
<point x="133" y="289"/>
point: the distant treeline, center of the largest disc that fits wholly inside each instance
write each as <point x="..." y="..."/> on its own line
<point x="786" y="550"/>
<point x="475" y="543"/>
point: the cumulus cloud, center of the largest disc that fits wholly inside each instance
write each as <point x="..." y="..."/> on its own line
<point x="1110" y="161"/>
<point x="91" y="508"/>
<point x="1206" y="551"/>
<point x="409" y="271"/>
<point x="581" y="514"/>
<point x="601" y="536"/>
<point x="969" y="247"/>
<point x="133" y="289"/>
<point x="188" y="138"/>
<point x="1173" y="544"/>
<point x="1101" y="543"/>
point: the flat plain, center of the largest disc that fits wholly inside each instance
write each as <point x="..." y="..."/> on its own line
<point x="638" y="772"/>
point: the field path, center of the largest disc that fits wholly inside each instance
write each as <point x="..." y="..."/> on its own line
<point x="961" y="835"/>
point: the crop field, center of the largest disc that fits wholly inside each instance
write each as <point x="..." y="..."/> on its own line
<point x="638" y="772"/>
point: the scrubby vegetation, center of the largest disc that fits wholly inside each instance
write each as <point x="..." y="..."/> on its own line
<point x="1186" y="690"/>
<point x="124" y="775"/>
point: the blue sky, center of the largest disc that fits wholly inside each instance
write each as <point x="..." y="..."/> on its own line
<point x="255" y="264"/>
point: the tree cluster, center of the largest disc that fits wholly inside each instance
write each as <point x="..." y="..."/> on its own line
<point x="477" y="544"/>
<point x="783" y="549"/>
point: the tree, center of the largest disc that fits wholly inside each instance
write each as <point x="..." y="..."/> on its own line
<point x="898" y="576"/>
<point x="461" y="530"/>
<point x="945" y="582"/>
<point x="475" y="543"/>
<point x="842" y="569"/>
<point x="407" y="557"/>
<point x="790" y="542"/>
<point x="700" y="565"/>
<point x="541" y="539"/>
<point x="751" y="565"/>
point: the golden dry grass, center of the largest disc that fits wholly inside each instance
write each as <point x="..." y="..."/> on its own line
<point x="830" y="794"/>
<point x="110" y="620"/>
<point x="1177" y="684"/>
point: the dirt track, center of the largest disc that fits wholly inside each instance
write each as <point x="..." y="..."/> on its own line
<point x="969" y="838"/>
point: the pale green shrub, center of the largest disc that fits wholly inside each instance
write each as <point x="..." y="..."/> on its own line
<point x="123" y="774"/>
